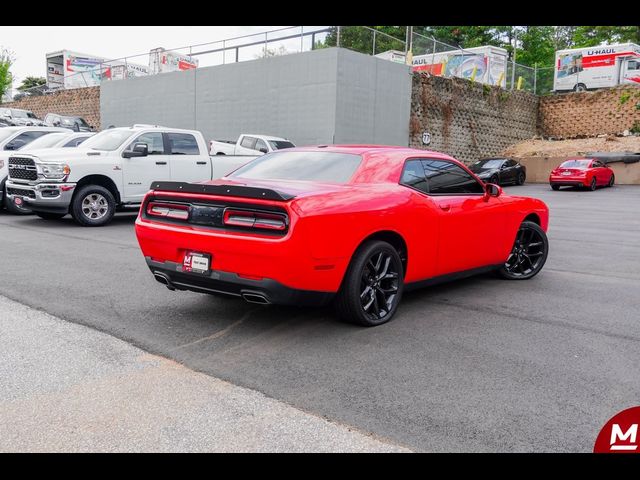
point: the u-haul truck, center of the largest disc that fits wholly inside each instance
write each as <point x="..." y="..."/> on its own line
<point x="487" y="64"/>
<point x="580" y="69"/>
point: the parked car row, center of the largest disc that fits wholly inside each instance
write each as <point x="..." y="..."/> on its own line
<point x="31" y="139"/>
<point x="16" y="117"/>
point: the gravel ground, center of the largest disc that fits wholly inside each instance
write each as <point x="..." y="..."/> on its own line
<point x="575" y="147"/>
<point x="69" y="388"/>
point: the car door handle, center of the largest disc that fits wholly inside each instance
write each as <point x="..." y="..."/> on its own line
<point x="446" y="208"/>
<point x="161" y="163"/>
<point x="201" y="163"/>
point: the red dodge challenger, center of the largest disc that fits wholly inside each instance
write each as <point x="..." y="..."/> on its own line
<point x="352" y="224"/>
<point x="581" y="172"/>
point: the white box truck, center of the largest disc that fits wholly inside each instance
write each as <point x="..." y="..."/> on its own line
<point x="581" y="69"/>
<point x="487" y="64"/>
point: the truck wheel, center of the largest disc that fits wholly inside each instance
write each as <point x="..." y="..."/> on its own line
<point x="15" y="209"/>
<point x="50" y="216"/>
<point x="580" y="87"/>
<point x="372" y="287"/>
<point x="93" y="206"/>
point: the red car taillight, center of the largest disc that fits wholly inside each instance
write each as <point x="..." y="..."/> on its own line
<point x="168" y="210"/>
<point x="243" y="218"/>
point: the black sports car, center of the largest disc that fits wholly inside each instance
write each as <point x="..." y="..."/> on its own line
<point x="500" y="171"/>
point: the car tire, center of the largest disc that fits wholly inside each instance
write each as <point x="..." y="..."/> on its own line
<point x="593" y="185"/>
<point x="612" y="180"/>
<point x="372" y="286"/>
<point x="521" y="178"/>
<point x="93" y="206"/>
<point x="495" y="180"/>
<point x="555" y="187"/>
<point x="50" y="216"/>
<point x="15" y="209"/>
<point x="531" y="247"/>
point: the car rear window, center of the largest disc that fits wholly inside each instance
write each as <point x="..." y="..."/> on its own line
<point x="575" y="164"/>
<point x="328" y="167"/>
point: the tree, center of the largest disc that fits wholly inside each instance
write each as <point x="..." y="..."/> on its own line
<point x="589" y="36"/>
<point x="6" y="80"/>
<point x="271" y="52"/>
<point x="30" y="82"/>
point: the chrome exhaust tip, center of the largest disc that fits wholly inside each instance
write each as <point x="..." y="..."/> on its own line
<point x="255" y="298"/>
<point x="164" y="279"/>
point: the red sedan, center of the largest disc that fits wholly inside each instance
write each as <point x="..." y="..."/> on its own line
<point x="582" y="172"/>
<point x="356" y="225"/>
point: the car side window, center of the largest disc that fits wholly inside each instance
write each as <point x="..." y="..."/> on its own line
<point x="511" y="163"/>
<point x="596" y="164"/>
<point x="413" y="176"/>
<point x="154" y="142"/>
<point x="446" y="178"/>
<point x="260" y="144"/>
<point x="183" y="144"/>
<point x="249" y="142"/>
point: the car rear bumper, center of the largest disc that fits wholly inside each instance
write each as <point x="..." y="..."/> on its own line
<point x="567" y="181"/>
<point x="42" y="197"/>
<point x="263" y="291"/>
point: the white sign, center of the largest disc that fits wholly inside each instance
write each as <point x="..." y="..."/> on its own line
<point x="426" y="138"/>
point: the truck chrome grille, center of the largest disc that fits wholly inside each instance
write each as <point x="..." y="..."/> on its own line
<point x="22" y="168"/>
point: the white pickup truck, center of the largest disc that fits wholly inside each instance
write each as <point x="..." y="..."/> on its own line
<point x="248" y="144"/>
<point x="110" y="171"/>
<point x="11" y="140"/>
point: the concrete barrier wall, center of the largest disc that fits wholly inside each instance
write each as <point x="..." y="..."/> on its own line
<point x="539" y="168"/>
<point x="324" y="96"/>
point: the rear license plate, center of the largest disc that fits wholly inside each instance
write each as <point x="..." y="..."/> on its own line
<point x="566" y="174"/>
<point x="196" y="262"/>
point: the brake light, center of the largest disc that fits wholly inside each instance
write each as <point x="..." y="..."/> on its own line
<point x="244" y="218"/>
<point x="168" y="210"/>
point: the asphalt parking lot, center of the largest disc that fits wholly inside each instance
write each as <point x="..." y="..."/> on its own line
<point x="482" y="364"/>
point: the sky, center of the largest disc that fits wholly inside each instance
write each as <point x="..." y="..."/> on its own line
<point x="30" y="44"/>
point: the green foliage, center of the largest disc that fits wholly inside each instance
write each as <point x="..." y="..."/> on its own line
<point x="624" y="97"/>
<point x="30" y="82"/>
<point x="6" y="60"/>
<point x="636" y="127"/>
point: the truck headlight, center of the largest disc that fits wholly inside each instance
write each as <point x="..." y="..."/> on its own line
<point x="1" y="163"/>
<point x="55" y="170"/>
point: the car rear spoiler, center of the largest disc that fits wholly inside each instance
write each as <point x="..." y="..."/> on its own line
<point x="223" y="190"/>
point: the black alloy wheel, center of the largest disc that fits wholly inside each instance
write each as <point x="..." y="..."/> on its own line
<point x="528" y="255"/>
<point x="520" y="180"/>
<point x="372" y="286"/>
<point x="555" y="187"/>
<point x="495" y="180"/>
<point x="612" y="180"/>
<point x="593" y="184"/>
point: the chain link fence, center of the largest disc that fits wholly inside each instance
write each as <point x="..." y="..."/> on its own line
<point x="487" y="65"/>
<point x="93" y="71"/>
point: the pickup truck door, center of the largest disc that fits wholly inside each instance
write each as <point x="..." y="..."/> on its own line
<point x="247" y="146"/>
<point x="189" y="163"/>
<point x="140" y="172"/>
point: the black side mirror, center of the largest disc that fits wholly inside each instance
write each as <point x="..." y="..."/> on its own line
<point x="263" y="150"/>
<point x="139" y="150"/>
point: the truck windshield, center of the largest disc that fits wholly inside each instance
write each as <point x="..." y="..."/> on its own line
<point x="280" y="144"/>
<point x="306" y="166"/>
<point x="45" y="141"/>
<point x="108" y="140"/>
